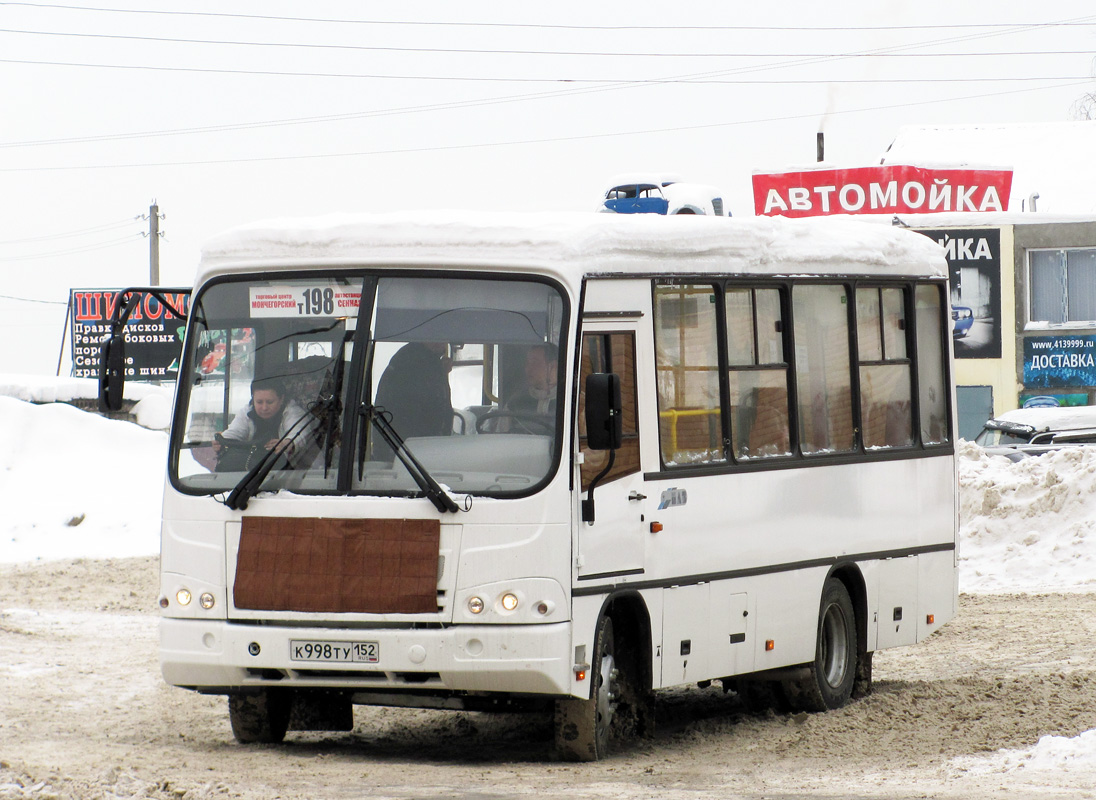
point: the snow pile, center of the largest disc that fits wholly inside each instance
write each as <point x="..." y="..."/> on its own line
<point x="152" y="408"/>
<point x="76" y="485"/>
<point x="1028" y="526"/>
<point x="1052" y="754"/>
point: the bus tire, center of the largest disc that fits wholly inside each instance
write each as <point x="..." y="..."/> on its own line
<point x="830" y="678"/>
<point x="261" y="718"/>
<point x="583" y="726"/>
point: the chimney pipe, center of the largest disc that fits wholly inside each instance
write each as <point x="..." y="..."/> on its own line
<point x="820" y="146"/>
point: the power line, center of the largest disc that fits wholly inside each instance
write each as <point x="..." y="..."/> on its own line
<point x="511" y="52"/>
<point x="506" y="79"/>
<point x="69" y="234"/>
<point x="74" y="251"/>
<point x="609" y="86"/>
<point x="1079" y="22"/>
<point x="34" y="300"/>
<point x="546" y="140"/>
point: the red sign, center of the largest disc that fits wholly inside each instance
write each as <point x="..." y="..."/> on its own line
<point x="888" y="189"/>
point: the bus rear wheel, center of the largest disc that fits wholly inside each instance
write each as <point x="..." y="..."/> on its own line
<point x="584" y="725"/>
<point x="260" y="718"/>
<point x="831" y="676"/>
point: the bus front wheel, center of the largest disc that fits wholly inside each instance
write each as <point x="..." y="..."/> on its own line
<point x="260" y="718"/>
<point x="583" y="725"/>
<point x="830" y="677"/>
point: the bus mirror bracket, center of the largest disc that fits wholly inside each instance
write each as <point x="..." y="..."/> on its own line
<point x="604" y="427"/>
<point x="112" y="372"/>
<point x="112" y="353"/>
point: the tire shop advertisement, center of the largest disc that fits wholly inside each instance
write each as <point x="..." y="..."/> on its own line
<point x="1052" y="362"/>
<point x="154" y="335"/>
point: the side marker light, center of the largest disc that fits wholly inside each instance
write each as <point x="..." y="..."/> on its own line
<point x="770" y="644"/>
<point x="930" y="619"/>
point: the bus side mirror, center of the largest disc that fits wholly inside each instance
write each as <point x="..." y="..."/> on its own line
<point x="112" y="372"/>
<point x="604" y="421"/>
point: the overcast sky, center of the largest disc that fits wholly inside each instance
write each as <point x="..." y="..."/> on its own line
<point x="230" y="111"/>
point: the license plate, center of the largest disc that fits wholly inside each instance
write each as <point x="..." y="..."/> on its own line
<point x="334" y="652"/>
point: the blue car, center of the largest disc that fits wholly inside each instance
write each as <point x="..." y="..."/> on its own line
<point x="961" y="320"/>
<point x="636" y="198"/>
<point x="657" y="193"/>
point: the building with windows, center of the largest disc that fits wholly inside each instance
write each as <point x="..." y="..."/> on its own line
<point x="1023" y="281"/>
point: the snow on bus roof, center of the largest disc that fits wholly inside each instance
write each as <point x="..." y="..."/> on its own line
<point x="574" y="244"/>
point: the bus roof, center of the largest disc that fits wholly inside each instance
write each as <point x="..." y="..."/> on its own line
<point x="571" y="245"/>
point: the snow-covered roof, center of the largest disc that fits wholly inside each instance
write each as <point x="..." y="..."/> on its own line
<point x="571" y="245"/>
<point x="1053" y="159"/>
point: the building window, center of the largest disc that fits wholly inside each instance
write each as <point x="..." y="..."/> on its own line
<point x="690" y="421"/>
<point x="1062" y="286"/>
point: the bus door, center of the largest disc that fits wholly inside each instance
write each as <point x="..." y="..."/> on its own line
<point x="613" y="543"/>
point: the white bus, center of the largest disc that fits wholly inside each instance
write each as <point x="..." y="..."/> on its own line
<point x="555" y="462"/>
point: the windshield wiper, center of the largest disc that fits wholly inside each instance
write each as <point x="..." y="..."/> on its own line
<point x="422" y="477"/>
<point x="249" y="485"/>
<point x="331" y="405"/>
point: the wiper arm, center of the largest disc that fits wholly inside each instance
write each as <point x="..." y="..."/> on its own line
<point x="331" y="403"/>
<point x="249" y="485"/>
<point x="422" y="477"/>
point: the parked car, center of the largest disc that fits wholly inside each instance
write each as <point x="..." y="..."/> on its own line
<point x="660" y="194"/>
<point x="1032" y="431"/>
<point x="961" y="320"/>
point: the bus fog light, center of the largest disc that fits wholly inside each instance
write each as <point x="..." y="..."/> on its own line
<point x="509" y="601"/>
<point x="164" y="602"/>
<point x="206" y="600"/>
<point x="183" y="596"/>
<point x="545" y="607"/>
<point x="475" y="605"/>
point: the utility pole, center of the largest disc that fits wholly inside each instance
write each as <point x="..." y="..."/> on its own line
<point x="154" y="235"/>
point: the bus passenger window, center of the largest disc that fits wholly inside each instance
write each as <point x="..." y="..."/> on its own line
<point x="757" y="373"/>
<point x="610" y="352"/>
<point x="932" y="389"/>
<point x="690" y="421"/>
<point x="822" y="368"/>
<point x="885" y="410"/>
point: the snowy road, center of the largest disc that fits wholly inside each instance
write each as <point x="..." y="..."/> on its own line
<point x="83" y="713"/>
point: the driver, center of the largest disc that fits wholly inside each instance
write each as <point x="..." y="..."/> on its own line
<point x="537" y="398"/>
<point x="265" y="420"/>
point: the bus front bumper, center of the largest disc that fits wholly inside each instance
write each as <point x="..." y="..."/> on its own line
<point x="219" y="656"/>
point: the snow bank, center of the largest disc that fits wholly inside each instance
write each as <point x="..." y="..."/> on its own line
<point x="153" y="402"/>
<point x="1028" y="526"/>
<point x="1075" y="757"/>
<point x="76" y="485"/>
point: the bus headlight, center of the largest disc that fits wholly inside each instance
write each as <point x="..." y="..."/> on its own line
<point x="509" y="601"/>
<point x="183" y="597"/>
<point x="206" y="600"/>
<point x="475" y="605"/>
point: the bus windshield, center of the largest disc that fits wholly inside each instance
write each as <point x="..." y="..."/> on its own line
<point x="332" y="380"/>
